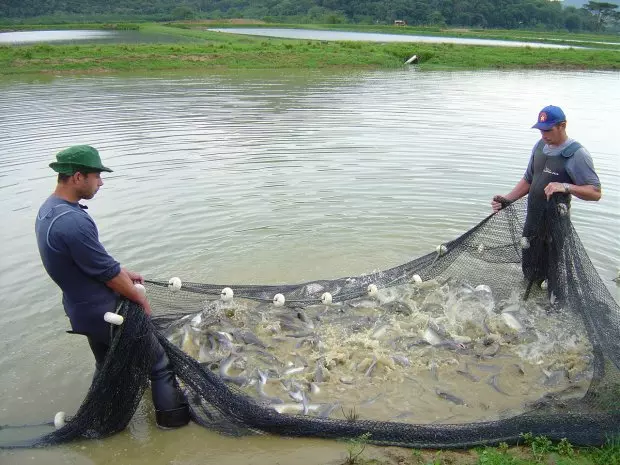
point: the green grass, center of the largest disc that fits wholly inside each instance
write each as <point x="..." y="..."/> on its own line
<point x="212" y="50"/>
<point x="534" y="451"/>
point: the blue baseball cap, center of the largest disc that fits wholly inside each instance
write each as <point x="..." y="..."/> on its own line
<point x="549" y="117"/>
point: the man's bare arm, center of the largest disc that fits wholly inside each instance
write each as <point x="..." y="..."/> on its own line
<point x="521" y="189"/>
<point x="123" y="284"/>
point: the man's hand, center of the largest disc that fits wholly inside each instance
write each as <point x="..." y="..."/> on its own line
<point x="498" y="203"/>
<point x="554" y="187"/>
<point x="135" y="277"/>
<point x="124" y="284"/>
<point x="146" y="306"/>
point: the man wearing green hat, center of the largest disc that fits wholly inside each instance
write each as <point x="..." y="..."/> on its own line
<point x="92" y="282"/>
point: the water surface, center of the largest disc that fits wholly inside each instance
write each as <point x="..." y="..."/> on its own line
<point x="265" y="177"/>
<point x="97" y="36"/>
<point x="310" y="34"/>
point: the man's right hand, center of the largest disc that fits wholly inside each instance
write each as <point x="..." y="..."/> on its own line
<point x="146" y="306"/>
<point x="496" y="203"/>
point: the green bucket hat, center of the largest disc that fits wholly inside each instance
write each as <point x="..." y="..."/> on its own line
<point x="78" y="158"/>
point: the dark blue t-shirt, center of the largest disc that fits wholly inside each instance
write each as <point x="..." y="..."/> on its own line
<point x="74" y="258"/>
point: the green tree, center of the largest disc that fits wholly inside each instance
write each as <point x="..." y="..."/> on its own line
<point x="573" y="23"/>
<point x="183" y="12"/>
<point x="603" y="12"/>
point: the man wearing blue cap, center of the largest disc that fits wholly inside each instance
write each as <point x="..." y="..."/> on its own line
<point x="559" y="166"/>
<point x="92" y="282"/>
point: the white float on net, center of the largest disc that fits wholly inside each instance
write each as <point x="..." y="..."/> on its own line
<point x="483" y="288"/>
<point x="525" y="243"/>
<point x="227" y="294"/>
<point x="113" y="318"/>
<point x="441" y="249"/>
<point x="544" y="284"/>
<point x="326" y="298"/>
<point x="278" y="300"/>
<point x="175" y="283"/>
<point x="416" y="278"/>
<point x="373" y="290"/>
<point x="59" y="420"/>
<point x="140" y="288"/>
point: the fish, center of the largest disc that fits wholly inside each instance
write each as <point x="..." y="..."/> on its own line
<point x="225" y="366"/>
<point x="512" y="322"/>
<point x="432" y="366"/>
<point x="518" y="367"/>
<point x="363" y="303"/>
<point x="260" y="389"/>
<point x="296" y="408"/>
<point x="371" y="367"/>
<point x="468" y="375"/>
<point x="417" y="343"/>
<point x="553" y="378"/>
<point x="301" y="334"/>
<point x="401" y="360"/>
<point x="195" y="322"/>
<point x="482" y="367"/>
<point x="397" y="307"/>
<point x="224" y="340"/>
<point x="293" y="370"/>
<point x="326" y="409"/>
<point x="379" y="332"/>
<point x="403" y="415"/>
<point x="449" y="397"/>
<point x="304" y="318"/>
<point x="261" y="354"/>
<point x="372" y="400"/>
<point x="431" y="337"/>
<point x="248" y="337"/>
<point x="321" y="373"/>
<point x="494" y="383"/>
<point x="489" y="351"/>
<point x="205" y="355"/>
<point x="297" y="396"/>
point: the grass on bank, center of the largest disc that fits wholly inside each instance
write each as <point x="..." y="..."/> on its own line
<point x="534" y="451"/>
<point x="213" y="50"/>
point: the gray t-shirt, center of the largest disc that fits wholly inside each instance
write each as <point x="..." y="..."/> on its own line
<point x="579" y="166"/>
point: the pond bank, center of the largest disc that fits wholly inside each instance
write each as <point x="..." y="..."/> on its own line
<point x="226" y="51"/>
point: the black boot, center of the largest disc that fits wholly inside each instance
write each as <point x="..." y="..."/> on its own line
<point x="171" y="408"/>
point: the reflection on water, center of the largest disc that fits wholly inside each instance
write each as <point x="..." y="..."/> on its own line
<point x="310" y="34"/>
<point x="266" y="178"/>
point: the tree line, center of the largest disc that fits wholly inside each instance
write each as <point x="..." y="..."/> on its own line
<point x="507" y="14"/>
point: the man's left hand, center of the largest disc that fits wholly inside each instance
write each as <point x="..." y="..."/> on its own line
<point x="552" y="188"/>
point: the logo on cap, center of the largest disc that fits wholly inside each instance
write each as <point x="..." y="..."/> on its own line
<point x="543" y="117"/>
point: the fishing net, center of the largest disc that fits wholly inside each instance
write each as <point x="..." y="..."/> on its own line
<point x="499" y="332"/>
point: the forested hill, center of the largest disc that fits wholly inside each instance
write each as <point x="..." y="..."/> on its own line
<point x="473" y="13"/>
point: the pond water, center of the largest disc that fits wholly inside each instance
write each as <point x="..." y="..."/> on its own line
<point x="87" y="36"/>
<point x="309" y="34"/>
<point x="265" y="177"/>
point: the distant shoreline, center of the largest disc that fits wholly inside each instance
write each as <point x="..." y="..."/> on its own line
<point x="220" y="51"/>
